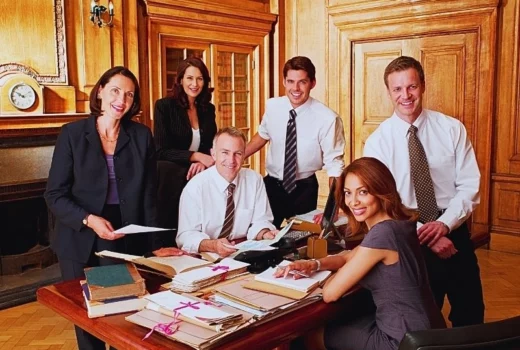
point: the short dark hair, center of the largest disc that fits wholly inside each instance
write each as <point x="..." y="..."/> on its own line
<point x="95" y="102"/>
<point x="204" y="98"/>
<point x="300" y="63"/>
<point x="403" y="63"/>
<point x="231" y="131"/>
<point x="380" y="183"/>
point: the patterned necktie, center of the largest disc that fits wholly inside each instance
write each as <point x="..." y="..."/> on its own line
<point x="421" y="178"/>
<point x="289" y="169"/>
<point x="230" y="213"/>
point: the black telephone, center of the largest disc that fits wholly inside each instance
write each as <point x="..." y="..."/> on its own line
<point x="260" y="260"/>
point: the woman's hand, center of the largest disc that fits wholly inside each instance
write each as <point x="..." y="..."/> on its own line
<point x="195" y="168"/>
<point x="169" y="251"/>
<point x="103" y="228"/>
<point x="208" y="161"/>
<point x="306" y="267"/>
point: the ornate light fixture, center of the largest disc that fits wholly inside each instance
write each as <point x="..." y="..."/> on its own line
<point x="96" y="11"/>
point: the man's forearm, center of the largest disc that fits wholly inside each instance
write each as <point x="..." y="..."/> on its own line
<point x="255" y="144"/>
<point x="208" y="245"/>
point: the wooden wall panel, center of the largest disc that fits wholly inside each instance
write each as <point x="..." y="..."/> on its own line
<point x="31" y="42"/>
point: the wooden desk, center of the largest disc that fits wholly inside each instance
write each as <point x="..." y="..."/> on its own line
<point x="65" y="298"/>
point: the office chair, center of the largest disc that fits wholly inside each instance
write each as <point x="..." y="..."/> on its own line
<point x="499" y="335"/>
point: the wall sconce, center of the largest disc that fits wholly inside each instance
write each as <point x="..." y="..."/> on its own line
<point x="96" y="11"/>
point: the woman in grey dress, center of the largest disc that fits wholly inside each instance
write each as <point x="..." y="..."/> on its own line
<point x="388" y="262"/>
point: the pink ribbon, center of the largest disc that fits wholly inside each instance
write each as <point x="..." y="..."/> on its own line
<point x="220" y="267"/>
<point x="193" y="305"/>
<point x="165" y="328"/>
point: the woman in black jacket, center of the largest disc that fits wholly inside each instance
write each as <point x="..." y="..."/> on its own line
<point x="184" y="127"/>
<point x="102" y="177"/>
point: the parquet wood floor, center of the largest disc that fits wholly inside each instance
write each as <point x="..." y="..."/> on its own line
<point x="34" y="327"/>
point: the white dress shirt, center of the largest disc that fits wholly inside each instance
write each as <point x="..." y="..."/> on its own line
<point x="319" y="133"/>
<point x="203" y="207"/>
<point x="452" y="162"/>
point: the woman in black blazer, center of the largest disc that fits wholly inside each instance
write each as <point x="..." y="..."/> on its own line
<point x="102" y="177"/>
<point x="184" y="127"/>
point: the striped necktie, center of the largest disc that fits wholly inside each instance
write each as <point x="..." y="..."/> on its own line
<point x="289" y="169"/>
<point x="421" y="178"/>
<point x="230" y="213"/>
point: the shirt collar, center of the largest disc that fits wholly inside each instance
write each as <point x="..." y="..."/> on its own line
<point x="300" y="109"/>
<point x="403" y="126"/>
<point x="222" y="184"/>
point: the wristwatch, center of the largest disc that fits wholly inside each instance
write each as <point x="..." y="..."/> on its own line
<point x="85" y="220"/>
<point x="318" y="264"/>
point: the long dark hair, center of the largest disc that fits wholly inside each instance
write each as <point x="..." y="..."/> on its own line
<point x="95" y="102"/>
<point x="203" y="99"/>
<point x="379" y="183"/>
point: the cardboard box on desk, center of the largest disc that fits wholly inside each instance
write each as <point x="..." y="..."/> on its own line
<point x="316" y="247"/>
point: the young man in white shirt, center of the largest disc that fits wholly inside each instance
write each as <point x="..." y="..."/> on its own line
<point x="450" y="158"/>
<point x="320" y="142"/>
<point x="207" y="208"/>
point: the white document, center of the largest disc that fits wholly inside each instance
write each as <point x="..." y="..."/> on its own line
<point x="302" y="284"/>
<point x="127" y="230"/>
<point x="250" y="245"/>
<point x="309" y="217"/>
<point x="225" y="266"/>
<point x="195" y="310"/>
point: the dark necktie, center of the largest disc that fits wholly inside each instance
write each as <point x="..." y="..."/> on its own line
<point x="421" y="178"/>
<point x="289" y="169"/>
<point x="230" y="213"/>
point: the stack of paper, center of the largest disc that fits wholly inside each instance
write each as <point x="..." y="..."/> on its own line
<point x="169" y="265"/>
<point x="287" y="286"/>
<point x="195" y="311"/>
<point x="194" y="280"/>
<point x="252" y="301"/>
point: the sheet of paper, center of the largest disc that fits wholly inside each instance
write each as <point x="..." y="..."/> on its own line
<point x="110" y="254"/>
<point x="250" y="245"/>
<point x="309" y="217"/>
<point x="302" y="284"/>
<point x="279" y="235"/>
<point x="318" y="275"/>
<point x="127" y="230"/>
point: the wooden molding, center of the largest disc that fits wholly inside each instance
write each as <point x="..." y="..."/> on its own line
<point x="60" y="78"/>
<point x="12" y="126"/>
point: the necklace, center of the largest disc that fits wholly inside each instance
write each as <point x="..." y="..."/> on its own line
<point x="104" y="137"/>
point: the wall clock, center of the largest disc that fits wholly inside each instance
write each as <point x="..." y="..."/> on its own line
<point x="22" y="96"/>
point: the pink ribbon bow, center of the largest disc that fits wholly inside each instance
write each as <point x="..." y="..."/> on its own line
<point x="220" y="267"/>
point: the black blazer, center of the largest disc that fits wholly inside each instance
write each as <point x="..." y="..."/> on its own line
<point x="78" y="183"/>
<point x="173" y="134"/>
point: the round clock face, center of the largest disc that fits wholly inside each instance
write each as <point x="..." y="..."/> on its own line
<point x="22" y="96"/>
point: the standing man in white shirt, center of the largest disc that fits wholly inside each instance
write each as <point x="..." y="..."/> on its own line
<point x="225" y="202"/>
<point x="434" y="165"/>
<point x="305" y="136"/>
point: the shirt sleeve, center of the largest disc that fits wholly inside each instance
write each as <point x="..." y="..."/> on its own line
<point x="332" y="144"/>
<point x="190" y="232"/>
<point x="262" y="214"/>
<point x="263" y="129"/>
<point x="381" y="236"/>
<point x="467" y="181"/>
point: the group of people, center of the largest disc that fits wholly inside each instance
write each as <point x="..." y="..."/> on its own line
<point x="109" y="171"/>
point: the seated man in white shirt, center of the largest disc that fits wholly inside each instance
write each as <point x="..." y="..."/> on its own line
<point x="225" y="202"/>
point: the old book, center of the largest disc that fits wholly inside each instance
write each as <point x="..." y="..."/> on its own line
<point x="169" y="265"/>
<point x="114" y="281"/>
<point x="111" y="306"/>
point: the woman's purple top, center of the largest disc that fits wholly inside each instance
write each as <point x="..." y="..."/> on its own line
<point x="112" y="195"/>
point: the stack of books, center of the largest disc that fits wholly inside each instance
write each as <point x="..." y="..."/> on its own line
<point x="113" y="289"/>
<point x="194" y="280"/>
